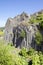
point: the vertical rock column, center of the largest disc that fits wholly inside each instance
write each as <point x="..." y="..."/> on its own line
<point x="24" y="42"/>
<point x="30" y="38"/>
<point x="27" y="40"/>
<point x="15" y="37"/>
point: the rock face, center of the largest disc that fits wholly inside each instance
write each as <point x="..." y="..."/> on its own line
<point x="14" y="22"/>
<point x="14" y="28"/>
<point x="25" y="41"/>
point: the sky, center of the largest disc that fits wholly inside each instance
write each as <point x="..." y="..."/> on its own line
<point x="11" y="8"/>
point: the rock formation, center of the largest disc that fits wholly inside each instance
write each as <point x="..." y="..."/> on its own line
<point x="20" y="32"/>
<point x="13" y="22"/>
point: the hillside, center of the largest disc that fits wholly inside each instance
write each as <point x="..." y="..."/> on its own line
<point x="23" y="40"/>
<point x="25" y="30"/>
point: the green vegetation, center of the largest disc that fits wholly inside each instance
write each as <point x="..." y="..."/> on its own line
<point x="1" y="31"/>
<point x="32" y="20"/>
<point x="22" y="34"/>
<point x="36" y="18"/>
<point x="33" y="57"/>
<point x="2" y="28"/>
<point x="41" y="25"/>
<point x="23" y="52"/>
<point x="9" y="56"/>
<point x="38" y="37"/>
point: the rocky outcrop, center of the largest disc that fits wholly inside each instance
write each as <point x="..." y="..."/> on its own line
<point x="13" y="32"/>
<point x="13" y="22"/>
<point x="25" y="41"/>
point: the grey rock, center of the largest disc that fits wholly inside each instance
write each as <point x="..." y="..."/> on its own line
<point x="13" y="29"/>
<point x="13" y="22"/>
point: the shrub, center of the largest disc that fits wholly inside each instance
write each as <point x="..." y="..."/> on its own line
<point x="41" y="58"/>
<point x="8" y="56"/>
<point x="31" y="52"/>
<point x="22" y="34"/>
<point x="23" y="52"/>
<point x="38" y="37"/>
<point x="35" y="59"/>
<point x="1" y="33"/>
<point x="36" y="18"/>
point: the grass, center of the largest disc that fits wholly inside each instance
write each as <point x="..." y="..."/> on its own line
<point x="1" y="33"/>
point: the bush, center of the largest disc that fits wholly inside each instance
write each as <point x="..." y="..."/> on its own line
<point x="22" y="34"/>
<point x="36" y="18"/>
<point x="38" y="38"/>
<point x="23" y="52"/>
<point x="31" y="52"/>
<point x="35" y="59"/>
<point x="41" y="58"/>
<point x="8" y="56"/>
<point x="5" y="56"/>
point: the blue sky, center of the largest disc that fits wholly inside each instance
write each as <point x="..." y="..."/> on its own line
<point x="11" y="8"/>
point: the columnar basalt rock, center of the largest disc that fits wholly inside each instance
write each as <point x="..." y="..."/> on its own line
<point x="21" y="32"/>
<point x="25" y="41"/>
<point x="14" y="22"/>
<point x="12" y="33"/>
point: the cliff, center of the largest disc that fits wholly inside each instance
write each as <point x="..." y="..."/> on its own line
<point x="21" y="30"/>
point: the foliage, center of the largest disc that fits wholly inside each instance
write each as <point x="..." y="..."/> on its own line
<point x="31" y="51"/>
<point x="35" y="59"/>
<point x="1" y="33"/>
<point x="41" y="58"/>
<point x="22" y="34"/>
<point x="38" y="37"/>
<point x="2" y="28"/>
<point x="36" y="18"/>
<point x="23" y="52"/>
<point x="41" y="25"/>
<point x="32" y="20"/>
<point x="8" y="56"/>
